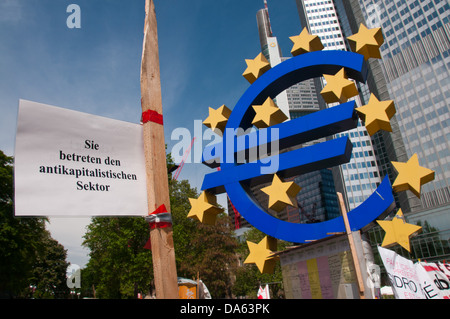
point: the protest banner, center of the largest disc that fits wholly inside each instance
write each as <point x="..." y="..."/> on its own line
<point x="421" y="280"/>
<point x="402" y="275"/>
<point x="434" y="281"/>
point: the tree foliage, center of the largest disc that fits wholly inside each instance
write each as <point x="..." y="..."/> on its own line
<point x="28" y="254"/>
<point x="249" y="278"/>
<point x="120" y="266"/>
<point x="202" y="250"/>
<point x="49" y="270"/>
<point x="210" y="254"/>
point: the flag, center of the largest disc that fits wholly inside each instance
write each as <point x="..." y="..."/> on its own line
<point x="148" y="244"/>
<point x="263" y="293"/>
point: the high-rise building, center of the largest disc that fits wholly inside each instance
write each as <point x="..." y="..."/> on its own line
<point x="388" y="146"/>
<point x="416" y="64"/>
<point x="271" y="51"/>
<point x="414" y="72"/>
<point x="317" y="201"/>
<point x="361" y="176"/>
<point x="301" y="98"/>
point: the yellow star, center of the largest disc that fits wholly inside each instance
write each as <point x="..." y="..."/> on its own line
<point x="411" y="176"/>
<point x="338" y="88"/>
<point x="261" y="254"/>
<point x="398" y="231"/>
<point x="281" y="194"/>
<point x="305" y="42"/>
<point x="268" y="114"/>
<point x="217" y="119"/>
<point x="377" y="115"/>
<point x="256" y="67"/>
<point x="367" y="42"/>
<point x="204" y="208"/>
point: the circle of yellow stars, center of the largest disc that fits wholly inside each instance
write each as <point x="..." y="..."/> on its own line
<point x="268" y="114"/>
<point x="204" y="208"/>
<point x="262" y="254"/>
<point x="338" y="88"/>
<point x="376" y="116"/>
<point x="398" y="231"/>
<point x="217" y="119"/>
<point x="411" y="176"/>
<point x="281" y="194"/>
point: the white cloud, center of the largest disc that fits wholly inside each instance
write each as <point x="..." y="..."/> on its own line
<point x="69" y="232"/>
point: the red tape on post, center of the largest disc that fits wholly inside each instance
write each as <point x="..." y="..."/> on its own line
<point x="152" y="116"/>
<point x="148" y="244"/>
<point x="160" y="218"/>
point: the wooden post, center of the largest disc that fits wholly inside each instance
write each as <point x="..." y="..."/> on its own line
<point x="352" y="247"/>
<point x="164" y="267"/>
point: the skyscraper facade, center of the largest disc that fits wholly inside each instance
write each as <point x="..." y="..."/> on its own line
<point x="388" y="146"/>
<point x="414" y="73"/>
<point x="416" y="65"/>
<point x="317" y="201"/>
<point x="301" y="98"/>
<point x="271" y="51"/>
<point x="361" y="175"/>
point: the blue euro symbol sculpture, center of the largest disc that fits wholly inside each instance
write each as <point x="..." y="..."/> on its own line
<point x="235" y="178"/>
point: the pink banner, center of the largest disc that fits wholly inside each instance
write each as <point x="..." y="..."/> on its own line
<point x="304" y="280"/>
<point x="325" y="279"/>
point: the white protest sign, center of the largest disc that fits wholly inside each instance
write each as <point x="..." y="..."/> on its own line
<point x="402" y="275"/>
<point x="435" y="283"/>
<point x="69" y="163"/>
<point x="445" y="268"/>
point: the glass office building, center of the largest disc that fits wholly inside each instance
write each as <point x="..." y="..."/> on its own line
<point x="361" y="176"/>
<point x="416" y="60"/>
<point x="317" y="201"/>
<point x="298" y="100"/>
<point x="414" y="72"/>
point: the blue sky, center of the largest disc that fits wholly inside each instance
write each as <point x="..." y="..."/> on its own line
<point x="203" y="45"/>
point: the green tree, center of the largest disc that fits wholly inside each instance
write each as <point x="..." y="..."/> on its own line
<point x="28" y="254"/>
<point x="49" y="271"/>
<point x="248" y="276"/>
<point x="119" y="266"/>
<point x="211" y="255"/>
<point x="202" y="250"/>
